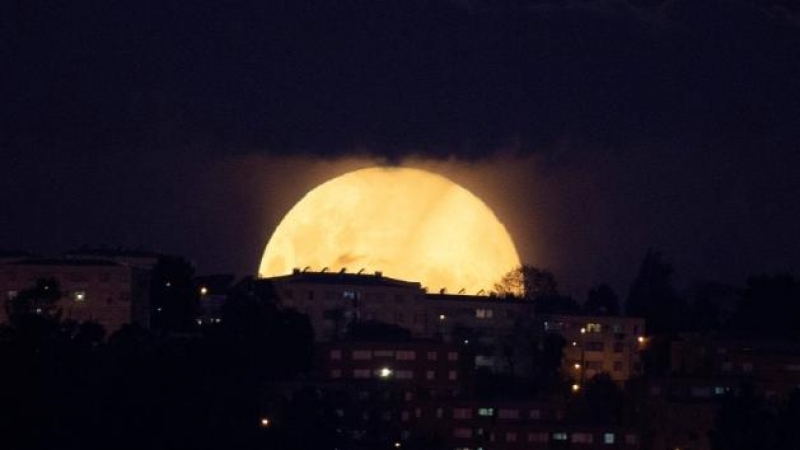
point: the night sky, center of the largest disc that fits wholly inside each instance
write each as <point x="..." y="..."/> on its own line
<point x="595" y="129"/>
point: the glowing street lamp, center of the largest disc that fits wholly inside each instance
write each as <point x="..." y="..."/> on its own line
<point x="576" y="387"/>
<point x="385" y="372"/>
<point x="265" y="423"/>
<point x="577" y="366"/>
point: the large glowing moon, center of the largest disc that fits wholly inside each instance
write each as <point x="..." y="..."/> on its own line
<point x="407" y="223"/>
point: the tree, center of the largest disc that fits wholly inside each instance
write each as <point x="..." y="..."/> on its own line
<point x="173" y="297"/>
<point x="602" y="301"/>
<point x="527" y="282"/>
<point x="770" y="306"/>
<point x="39" y="299"/>
<point x="653" y="297"/>
<point x="744" y="422"/>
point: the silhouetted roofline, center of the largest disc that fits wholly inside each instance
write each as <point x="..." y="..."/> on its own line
<point x="355" y="279"/>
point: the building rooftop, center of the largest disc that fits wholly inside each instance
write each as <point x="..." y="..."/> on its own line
<point x="344" y="278"/>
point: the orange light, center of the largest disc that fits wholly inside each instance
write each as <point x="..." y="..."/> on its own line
<point x="640" y="339"/>
<point x="577" y="366"/>
<point x="265" y="422"/>
<point x="398" y="221"/>
<point x="576" y="387"/>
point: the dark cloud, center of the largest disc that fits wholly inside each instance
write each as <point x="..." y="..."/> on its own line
<point x="396" y="77"/>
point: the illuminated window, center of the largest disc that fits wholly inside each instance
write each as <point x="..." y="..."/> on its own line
<point x="560" y="436"/>
<point x="349" y="295"/>
<point x="484" y="313"/>
<point x="452" y="356"/>
<point x="404" y="416"/>
<point x="430" y="375"/>
<point x="452" y="375"/>
<point x="336" y="354"/>
<point x="486" y="412"/>
<point x="594" y="328"/>
<point x="11" y="294"/>
<point x="608" y="438"/>
<point x="431" y="356"/>
<point x="79" y="296"/>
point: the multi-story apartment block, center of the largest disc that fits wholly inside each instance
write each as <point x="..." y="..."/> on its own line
<point x="103" y="291"/>
<point x="598" y="344"/>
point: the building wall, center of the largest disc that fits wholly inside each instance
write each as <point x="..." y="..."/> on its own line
<point x="105" y="292"/>
<point x="597" y="344"/>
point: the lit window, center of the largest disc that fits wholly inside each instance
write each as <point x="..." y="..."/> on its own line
<point x="452" y="356"/>
<point x="560" y="436"/>
<point x="486" y="412"/>
<point x="430" y="375"/>
<point x="484" y="313"/>
<point x="462" y="413"/>
<point x="336" y="354"/>
<point x="439" y="413"/>
<point x="719" y="390"/>
<point x="452" y="375"/>
<point x="431" y="356"/>
<point x="608" y="438"/>
<point x="79" y="296"/>
<point x="349" y="295"/>
<point x="404" y="416"/>
<point x="594" y="328"/>
<point x="11" y="294"/>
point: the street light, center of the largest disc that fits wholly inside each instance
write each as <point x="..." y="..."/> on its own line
<point x="385" y="372"/>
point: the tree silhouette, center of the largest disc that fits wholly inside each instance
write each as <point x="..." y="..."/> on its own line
<point x="602" y="301"/>
<point x="527" y="282"/>
<point x="653" y="297"/>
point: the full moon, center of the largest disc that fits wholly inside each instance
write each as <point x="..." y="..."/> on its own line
<point x="407" y="223"/>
